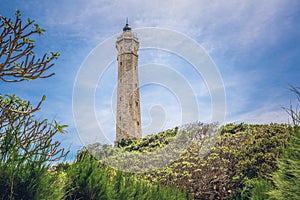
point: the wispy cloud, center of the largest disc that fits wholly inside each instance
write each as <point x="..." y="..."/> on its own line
<point x="239" y="23"/>
<point x="264" y="115"/>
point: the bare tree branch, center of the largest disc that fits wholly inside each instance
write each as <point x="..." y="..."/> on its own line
<point x="19" y="132"/>
<point x="293" y="112"/>
<point x="17" y="60"/>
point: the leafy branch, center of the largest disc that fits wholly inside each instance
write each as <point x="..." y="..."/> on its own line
<point x="31" y="138"/>
<point x="17" y="59"/>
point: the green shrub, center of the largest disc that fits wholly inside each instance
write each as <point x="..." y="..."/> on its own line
<point x="287" y="178"/>
<point x="89" y="179"/>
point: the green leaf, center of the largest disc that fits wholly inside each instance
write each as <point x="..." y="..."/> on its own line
<point x="60" y="128"/>
<point x="44" y="98"/>
<point x="64" y="126"/>
<point x="29" y="21"/>
<point x="5" y="24"/>
<point x="18" y="13"/>
<point x="31" y="41"/>
<point x="38" y="29"/>
<point x="55" y="54"/>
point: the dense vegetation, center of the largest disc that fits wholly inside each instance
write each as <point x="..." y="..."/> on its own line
<point x="241" y="165"/>
<point x="88" y="179"/>
<point x="242" y="155"/>
<point x="287" y="177"/>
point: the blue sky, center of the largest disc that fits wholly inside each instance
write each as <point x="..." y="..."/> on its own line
<point x="254" y="44"/>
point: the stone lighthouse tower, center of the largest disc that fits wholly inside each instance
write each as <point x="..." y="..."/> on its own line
<point x="128" y="100"/>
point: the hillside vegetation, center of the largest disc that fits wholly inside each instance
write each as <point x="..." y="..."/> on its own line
<point x="241" y="156"/>
<point x="242" y="163"/>
<point x="232" y="162"/>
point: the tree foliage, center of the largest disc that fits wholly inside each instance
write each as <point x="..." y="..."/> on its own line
<point x="26" y="144"/>
<point x="30" y="139"/>
<point x="242" y="153"/>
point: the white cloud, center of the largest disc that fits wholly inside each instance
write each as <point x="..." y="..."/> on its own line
<point x="264" y="115"/>
<point x="238" y="23"/>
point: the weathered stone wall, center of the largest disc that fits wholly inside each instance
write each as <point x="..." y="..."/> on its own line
<point x="128" y="102"/>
